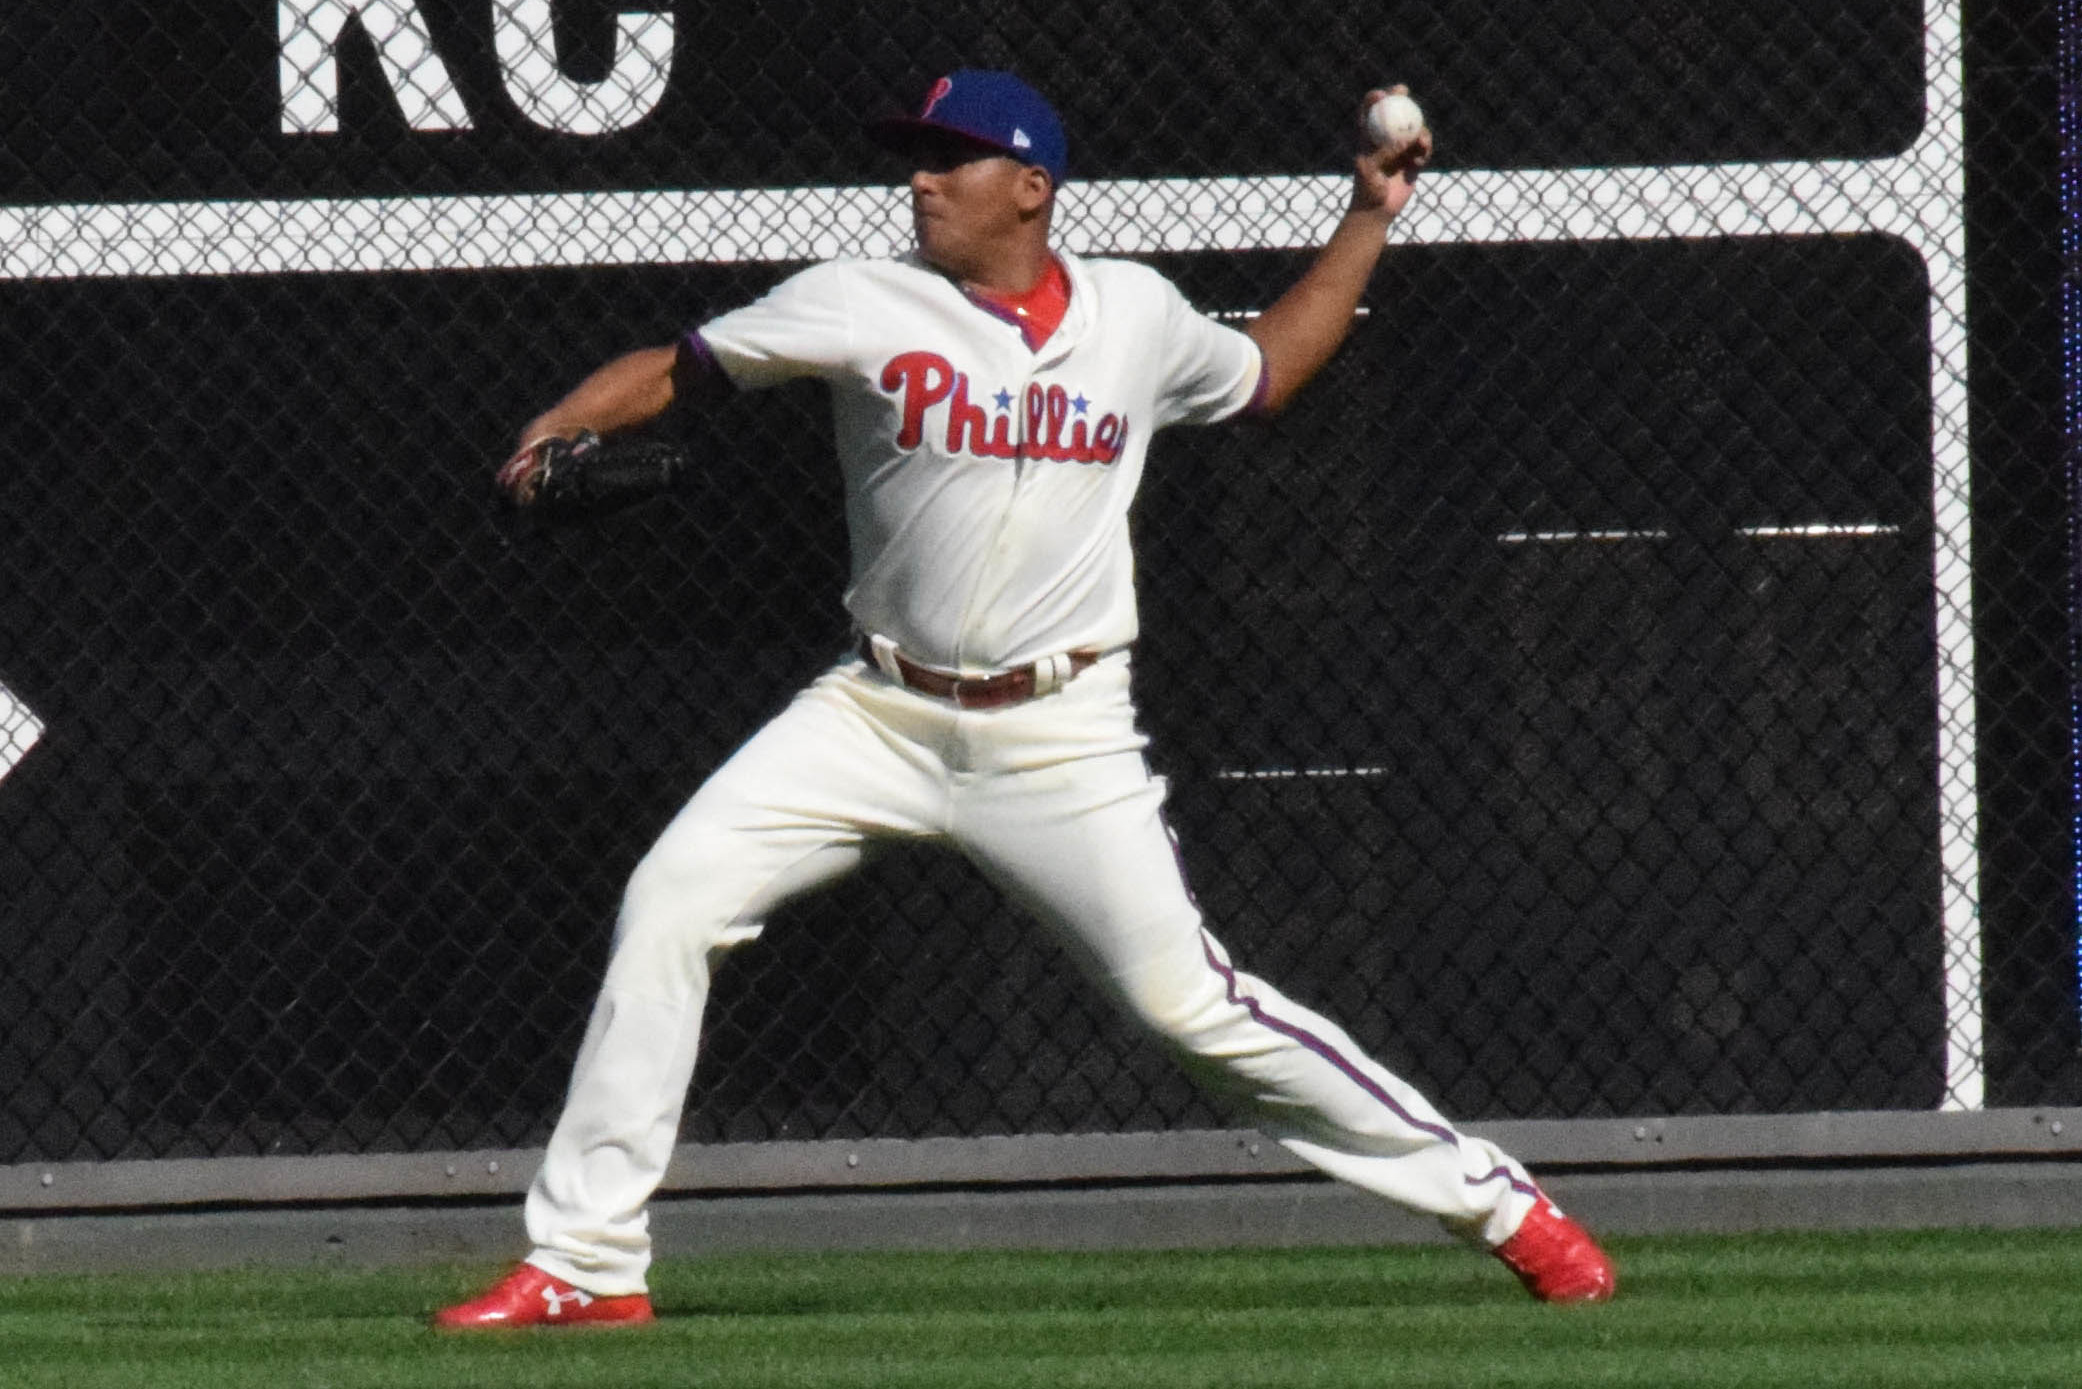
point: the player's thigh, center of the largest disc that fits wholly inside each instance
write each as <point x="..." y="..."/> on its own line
<point x="788" y="811"/>
<point x="1084" y="847"/>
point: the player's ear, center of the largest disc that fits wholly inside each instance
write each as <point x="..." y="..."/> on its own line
<point x="1034" y="188"/>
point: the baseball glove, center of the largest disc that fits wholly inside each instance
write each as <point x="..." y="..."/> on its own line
<point x="562" y="479"/>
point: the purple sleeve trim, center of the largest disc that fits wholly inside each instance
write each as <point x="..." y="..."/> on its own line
<point x="696" y="374"/>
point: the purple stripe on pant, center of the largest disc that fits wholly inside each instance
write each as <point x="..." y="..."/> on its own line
<point x="1345" y="1066"/>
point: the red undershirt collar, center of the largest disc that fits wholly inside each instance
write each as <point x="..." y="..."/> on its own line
<point x="1036" y="312"/>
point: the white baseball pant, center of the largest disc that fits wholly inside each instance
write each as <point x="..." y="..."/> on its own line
<point x="1051" y="799"/>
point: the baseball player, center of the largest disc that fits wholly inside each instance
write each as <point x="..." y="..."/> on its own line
<point x="994" y="401"/>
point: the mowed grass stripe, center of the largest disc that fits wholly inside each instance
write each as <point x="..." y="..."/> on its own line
<point x="1922" y="1309"/>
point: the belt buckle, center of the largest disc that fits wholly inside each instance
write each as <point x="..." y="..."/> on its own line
<point x="984" y="692"/>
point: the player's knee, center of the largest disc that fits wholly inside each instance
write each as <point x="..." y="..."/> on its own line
<point x="1185" y="1011"/>
<point x="670" y="903"/>
<point x="1205" y="1021"/>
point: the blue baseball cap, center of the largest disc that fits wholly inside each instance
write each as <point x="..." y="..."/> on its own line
<point x="994" y="109"/>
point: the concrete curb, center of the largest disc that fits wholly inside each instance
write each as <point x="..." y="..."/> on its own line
<point x="1262" y="1214"/>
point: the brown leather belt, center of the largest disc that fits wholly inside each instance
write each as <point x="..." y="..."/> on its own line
<point x="976" y="691"/>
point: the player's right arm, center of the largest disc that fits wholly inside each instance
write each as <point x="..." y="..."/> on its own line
<point x="1303" y="329"/>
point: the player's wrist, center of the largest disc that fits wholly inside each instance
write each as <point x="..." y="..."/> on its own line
<point x="543" y="430"/>
<point x="1366" y="226"/>
<point x="1371" y="199"/>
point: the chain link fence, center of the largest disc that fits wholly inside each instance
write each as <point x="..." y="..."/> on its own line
<point x="1631" y="682"/>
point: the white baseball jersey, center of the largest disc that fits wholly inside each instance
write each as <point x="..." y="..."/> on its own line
<point x="988" y="484"/>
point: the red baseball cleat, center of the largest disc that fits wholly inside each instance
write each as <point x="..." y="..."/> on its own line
<point x="529" y="1297"/>
<point x="1556" y="1258"/>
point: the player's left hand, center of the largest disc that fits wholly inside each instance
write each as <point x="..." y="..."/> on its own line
<point x="562" y="479"/>
<point x="1384" y="179"/>
<point x="520" y="477"/>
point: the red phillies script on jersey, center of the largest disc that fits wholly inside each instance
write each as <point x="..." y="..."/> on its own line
<point x="1058" y="424"/>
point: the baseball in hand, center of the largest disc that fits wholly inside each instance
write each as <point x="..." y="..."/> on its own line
<point x="1393" y="121"/>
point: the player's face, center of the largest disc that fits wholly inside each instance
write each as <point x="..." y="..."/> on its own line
<point x="967" y="203"/>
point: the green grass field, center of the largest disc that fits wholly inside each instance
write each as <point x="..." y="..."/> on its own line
<point x="1985" y="1309"/>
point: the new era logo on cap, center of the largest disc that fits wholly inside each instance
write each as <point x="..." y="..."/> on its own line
<point x="992" y="108"/>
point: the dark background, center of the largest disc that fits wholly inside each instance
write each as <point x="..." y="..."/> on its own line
<point x="344" y="770"/>
<point x="124" y="99"/>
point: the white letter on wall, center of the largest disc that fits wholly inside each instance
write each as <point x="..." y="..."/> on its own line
<point x="309" y="31"/>
<point x="19" y="730"/>
<point x="528" y="59"/>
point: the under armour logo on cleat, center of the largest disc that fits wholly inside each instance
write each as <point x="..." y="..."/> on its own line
<point x="556" y="1300"/>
